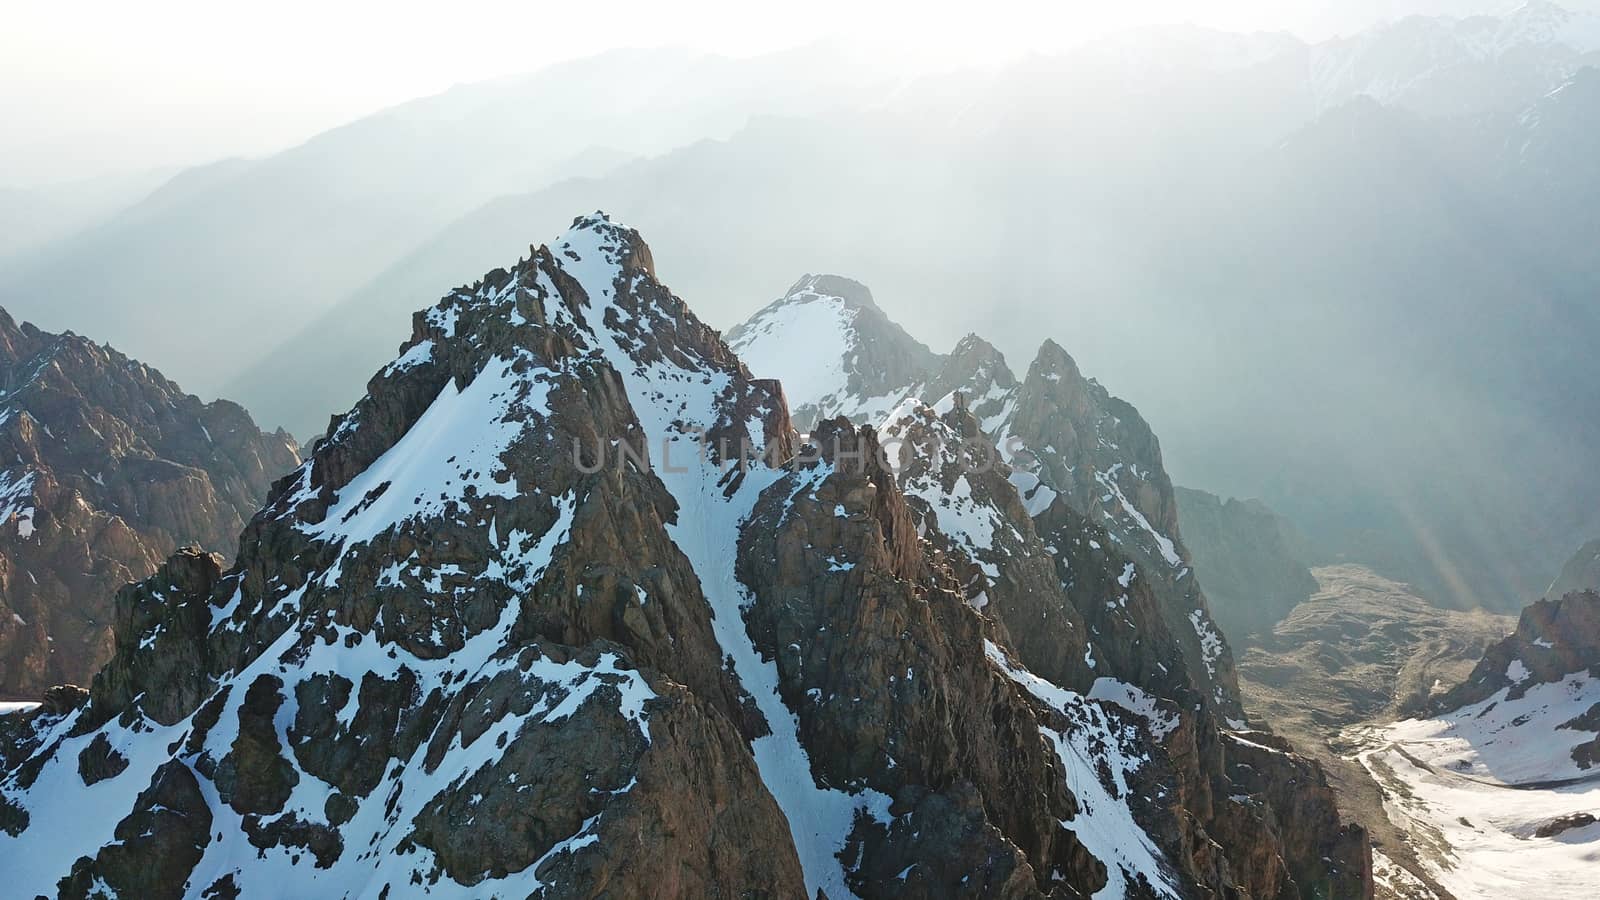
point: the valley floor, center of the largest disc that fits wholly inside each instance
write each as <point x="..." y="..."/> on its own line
<point x="1362" y="652"/>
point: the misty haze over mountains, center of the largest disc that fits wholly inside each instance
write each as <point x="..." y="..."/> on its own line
<point x="995" y="453"/>
<point x="1353" y="278"/>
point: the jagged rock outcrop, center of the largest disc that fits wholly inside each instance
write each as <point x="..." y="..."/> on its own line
<point x="565" y="607"/>
<point x="1251" y="557"/>
<point x="1080" y="441"/>
<point x="108" y="468"/>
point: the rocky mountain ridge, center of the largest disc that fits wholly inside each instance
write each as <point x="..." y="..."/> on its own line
<point x="109" y="467"/>
<point x="565" y="606"/>
<point x="1063" y="436"/>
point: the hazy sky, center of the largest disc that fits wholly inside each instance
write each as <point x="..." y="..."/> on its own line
<point x="91" y="87"/>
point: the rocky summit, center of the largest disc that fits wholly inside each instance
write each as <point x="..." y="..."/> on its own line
<point x="106" y="468"/>
<point x="566" y="607"/>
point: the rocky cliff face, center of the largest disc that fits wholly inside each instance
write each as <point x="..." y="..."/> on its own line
<point x="1253" y="569"/>
<point x="108" y="468"/>
<point x="1063" y="435"/>
<point x="564" y="606"/>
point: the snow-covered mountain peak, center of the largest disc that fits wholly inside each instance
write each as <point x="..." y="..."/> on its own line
<point x="833" y="349"/>
<point x="1441" y="65"/>
<point x="829" y="288"/>
<point x="596" y="240"/>
<point x="1542" y="22"/>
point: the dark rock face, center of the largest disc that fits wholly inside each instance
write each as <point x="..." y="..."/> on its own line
<point x="1251" y="559"/>
<point x="565" y="607"/>
<point x="893" y="701"/>
<point x="1562" y="824"/>
<point x="158" y="844"/>
<point x="110" y="469"/>
<point x="1097" y="451"/>
<point x="1289" y="798"/>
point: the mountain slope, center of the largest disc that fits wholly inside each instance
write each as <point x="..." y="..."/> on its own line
<point x="1581" y="573"/>
<point x="563" y="605"/>
<point x="110" y="467"/>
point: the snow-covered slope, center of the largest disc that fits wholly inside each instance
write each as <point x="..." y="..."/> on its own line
<point x="836" y="353"/>
<point x="1523" y="741"/>
<point x="1484" y="793"/>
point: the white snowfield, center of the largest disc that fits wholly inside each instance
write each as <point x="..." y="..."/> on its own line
<point x="1473" y="787"/>
<point x="11" y="706"/>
